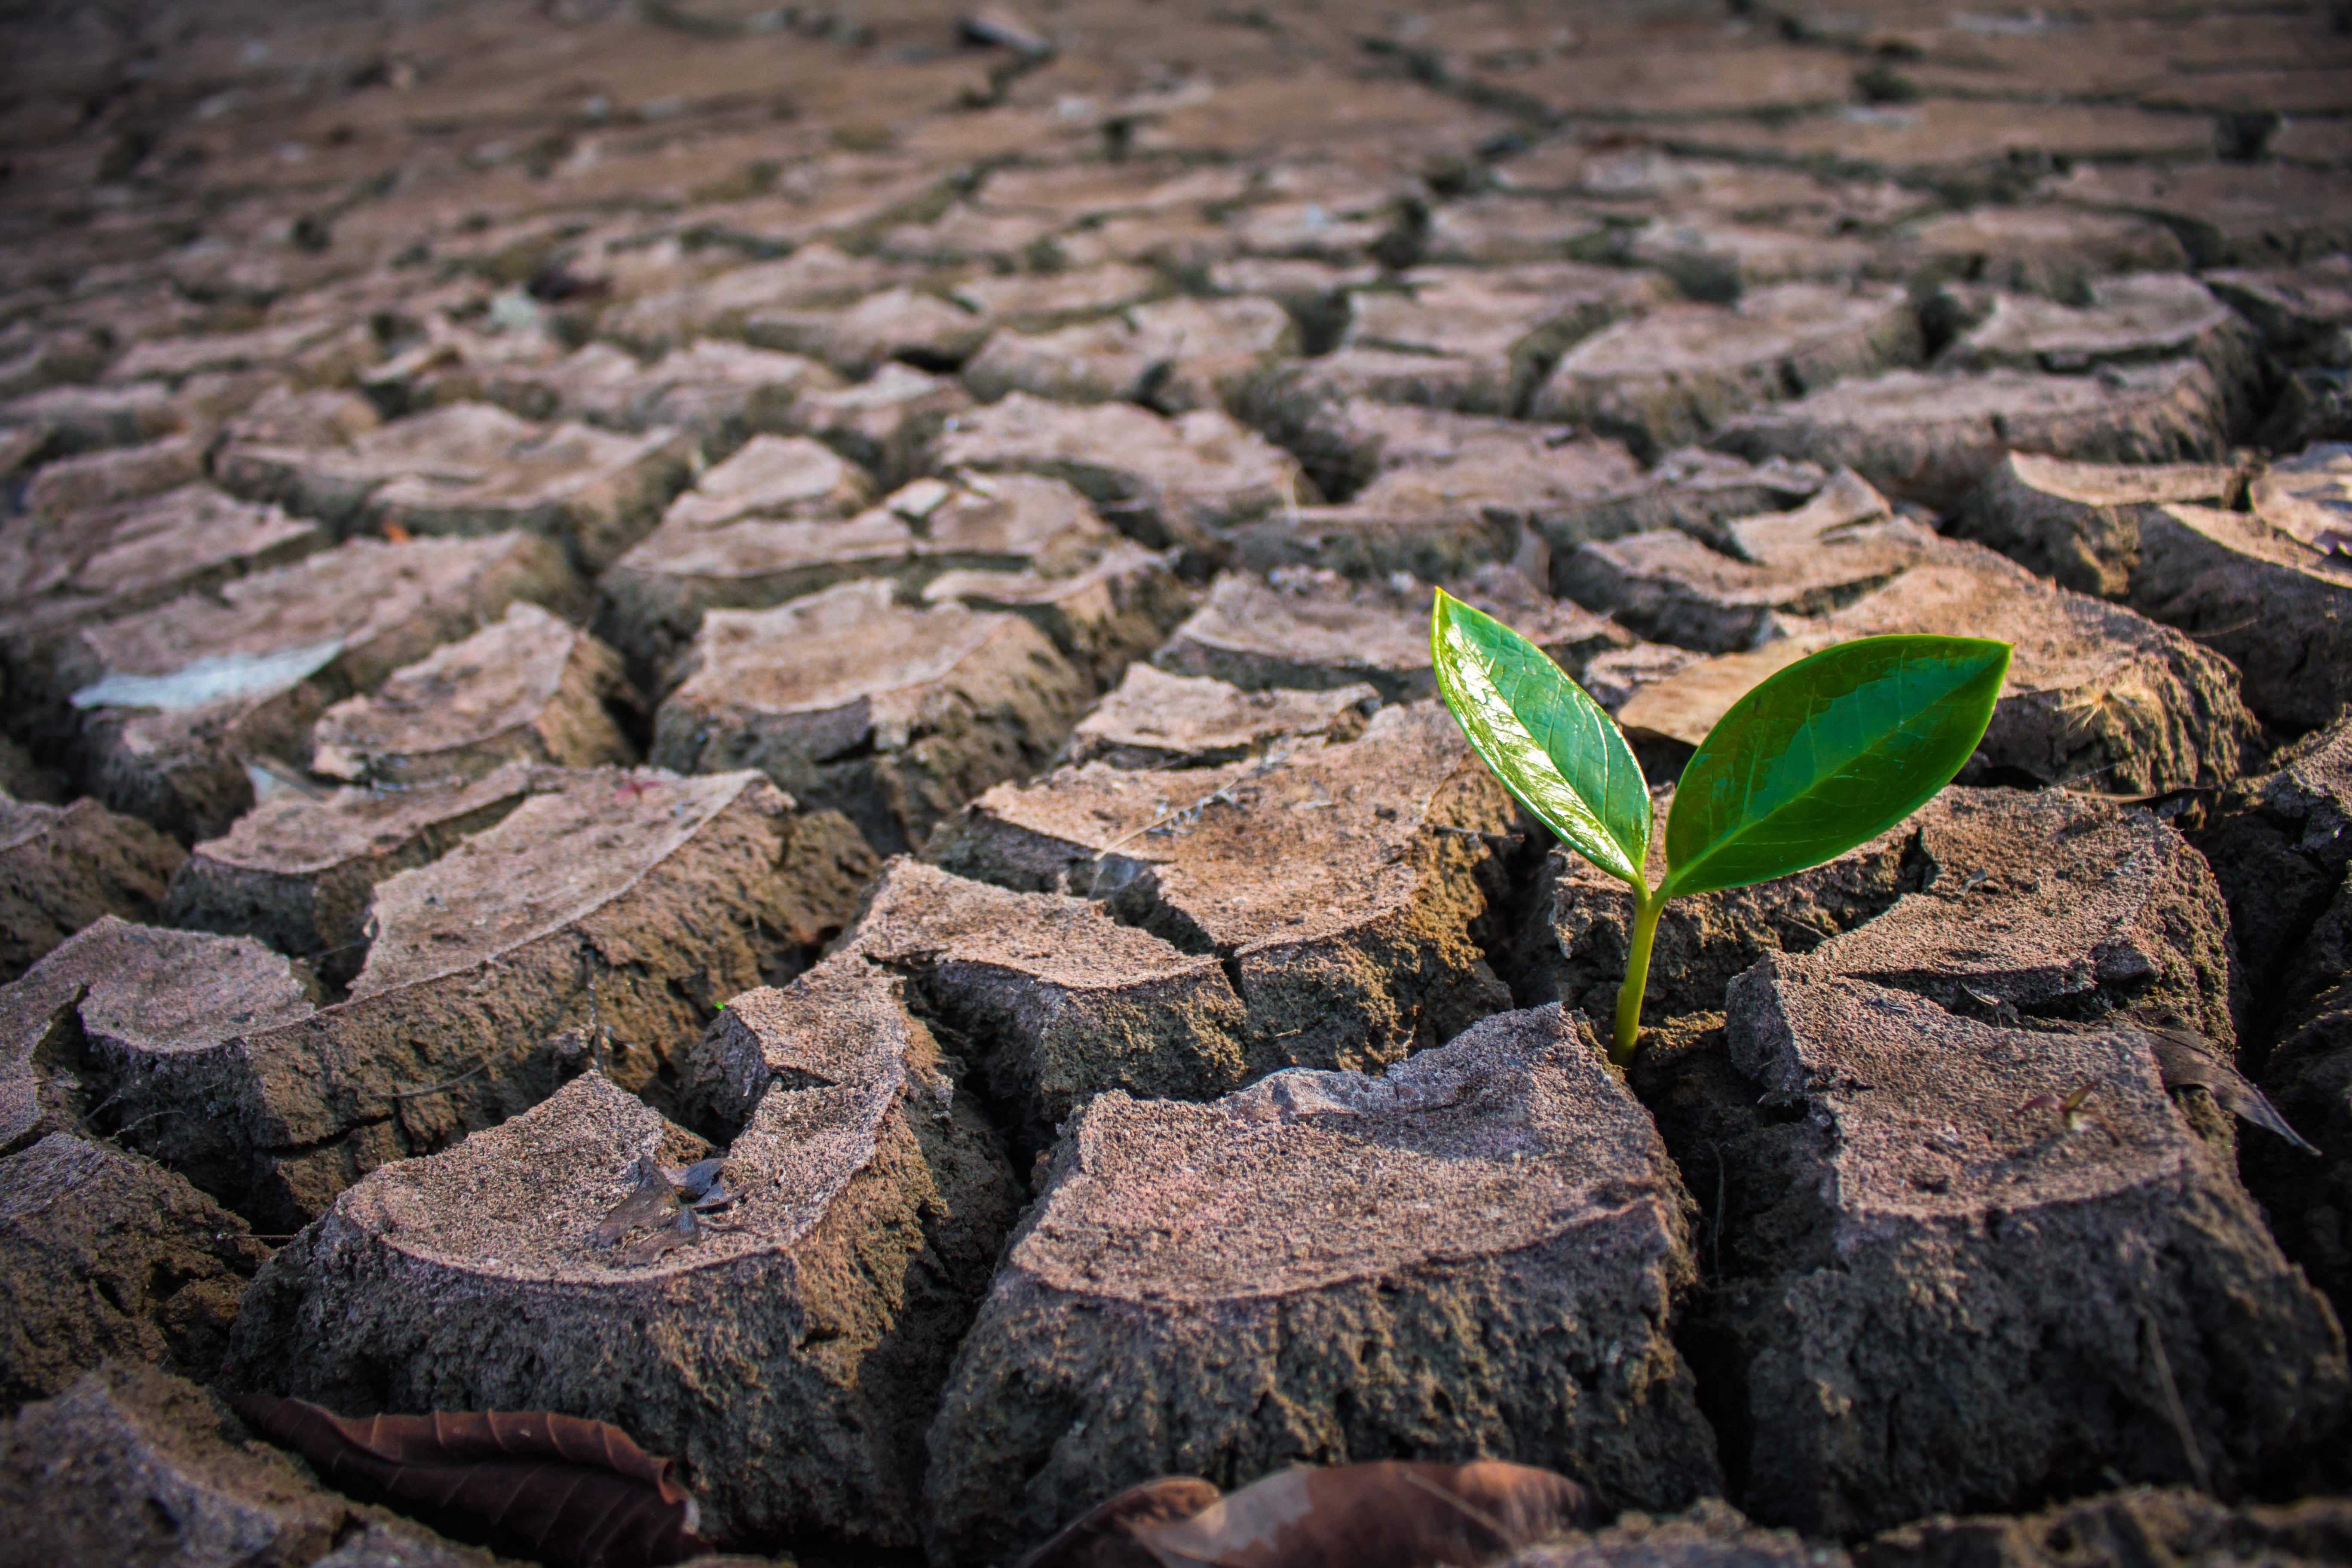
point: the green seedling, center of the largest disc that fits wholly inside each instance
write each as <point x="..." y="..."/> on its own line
<point x="1823" y="755"/>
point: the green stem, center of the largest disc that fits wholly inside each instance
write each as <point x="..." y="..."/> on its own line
<point x="1647" y="905"/>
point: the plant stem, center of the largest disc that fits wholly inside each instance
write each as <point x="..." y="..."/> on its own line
<point x="1647" y="905"/>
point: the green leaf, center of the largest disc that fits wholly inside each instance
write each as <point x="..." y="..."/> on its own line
<point x="1830" y="751"/>
<point x="1551" y="744"/>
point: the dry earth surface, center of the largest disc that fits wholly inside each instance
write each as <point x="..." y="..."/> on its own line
<point x="841" y="587"/>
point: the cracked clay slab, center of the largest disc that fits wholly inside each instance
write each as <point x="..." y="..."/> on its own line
<point x="174" y="702"/>
<point x="471" y="468"/>
<point x="529" y="688"/>
<point x="1931" y="437"/>
<point x="1994" y="1299"/>
<point x="1347" y="887"/>
<point x="298" y="873"/>
<point x="162" y="1473"/>
<point x="1314" y="630"/>
<point x="892" y="714"/>
<point x="1155" y="720"/>
<point x="605" y="918"/>
<point x="1478" y="1252"/>
<point x="62" y="867"/>
<point x="1054" y="1001"/>
<point x="870" y="1202"/>
<point x="104" y="1254"/>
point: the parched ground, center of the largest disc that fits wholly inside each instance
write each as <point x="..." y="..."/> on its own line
<point x="844" y="589"/>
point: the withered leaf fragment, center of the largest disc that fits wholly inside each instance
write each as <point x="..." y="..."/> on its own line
<point x="654" y="1203"/>
<point x="661" y="1243"/>
<point x="2067" y="1108"/>
<point x="2186" y="1060"/>
<point x="2073" y="1112"/>
<point x="1102" y="1536"/>
<point x="1390" y="1514"/>
<point x="667" y="1199"/>
<point x="686" y="1230"/>
<point x="572" y="1493"/>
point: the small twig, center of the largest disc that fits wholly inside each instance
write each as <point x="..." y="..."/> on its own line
<point x="1420" y="819"/>
<point x="2203" y="634"/>
<point x="1222" y="794"/>
<point x="1135" y="833"/>
<point x="2070" y="785"/>
<point x="1484" y="836"/>
<point x="2152" y="798"/>
<point x="167" y="1111"/>
<point x="600" y="1038"/>
<point x="445" y="1083"/>
<point x="1715" y="1241"/>
<point x="289" y="775"/>
<point x="717" y="1228"/>
<point x="2173" y="1407"/>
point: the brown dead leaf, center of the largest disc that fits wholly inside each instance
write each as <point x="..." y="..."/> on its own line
<point x="1390" y="1514"/>
<point x="2186" y="1059"/>
<point x="570" y="1491"/>
<point x="672" y="1202"/>
<point x="655" y="1202"/>
<point x="683" y="1231"/>
<point x="1102" y="1537"/>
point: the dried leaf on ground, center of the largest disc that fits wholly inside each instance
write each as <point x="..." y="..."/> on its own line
<point x="567" y="1491"/>
<point x="667" y="1200"/>
<point x="1390" y="1514"/>
<point x="686" y="1230"/>
<point x="654" y="1203"/>
<point x="2184" y="1060"/>
<point x="1103" y="1536"/>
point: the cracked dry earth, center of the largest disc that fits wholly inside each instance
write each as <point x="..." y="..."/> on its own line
<point x="844" y="589"/>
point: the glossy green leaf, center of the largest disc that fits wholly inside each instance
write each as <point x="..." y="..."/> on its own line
<point x="1551" y="744"/>
<point x="1830" y="751"/>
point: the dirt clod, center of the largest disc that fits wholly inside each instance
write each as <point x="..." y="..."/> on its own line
<point x="1190" y="1297"/>
<point x="826" y="1302"/>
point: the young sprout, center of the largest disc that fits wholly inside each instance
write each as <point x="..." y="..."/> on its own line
<point x="2069" y="1109"/>
<point x="1823" y="755"/>
<point x="2074" y="1114"/>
